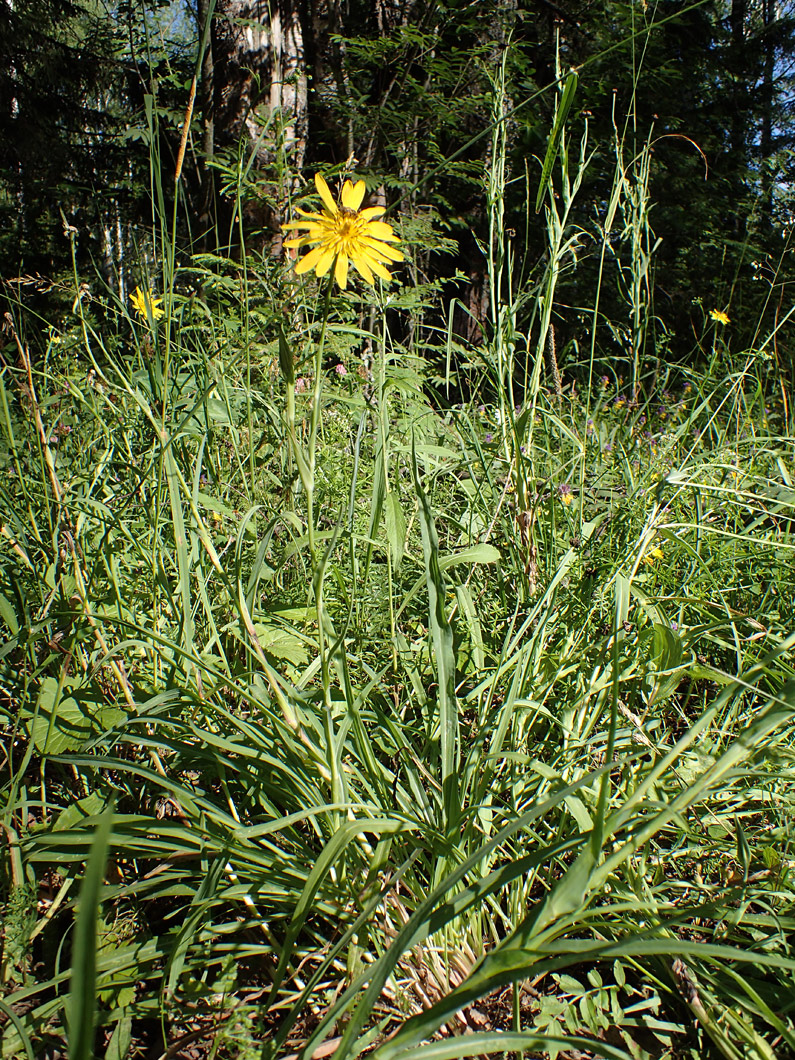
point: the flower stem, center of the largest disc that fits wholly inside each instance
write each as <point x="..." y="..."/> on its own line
<point x="314" y="423"/>
<point x="308" y="465"/>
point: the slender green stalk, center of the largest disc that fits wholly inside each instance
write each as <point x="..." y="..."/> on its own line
<point x="307" y="468"/>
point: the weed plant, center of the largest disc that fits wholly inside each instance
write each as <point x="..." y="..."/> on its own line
<point x="340" y="718"/>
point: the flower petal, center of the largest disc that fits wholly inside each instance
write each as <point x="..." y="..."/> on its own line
<point x="363" y="269"/>
<point x="326" y="260"/>
<point x="353" y="194"/>
<point x="381" y="230"/>
<point x="379" y="270"/>
<point x="309" y="261"/>
<point x="363" y="258"/>
<point x="382" y="250"/>
<point x="372" y="211"/>
<point x="325" y="195"/>
<point x="341" y="271"/>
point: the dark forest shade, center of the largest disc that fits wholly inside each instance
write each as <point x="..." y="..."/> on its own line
<point x="405" y="89"/>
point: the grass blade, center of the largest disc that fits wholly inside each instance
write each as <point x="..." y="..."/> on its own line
<point x="82" y="984"/>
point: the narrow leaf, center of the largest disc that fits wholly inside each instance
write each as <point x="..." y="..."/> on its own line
<point x="444" y="656"/>
<point x="505" y="1042"/>
<point x="82" y="984"/>
<point x="395" y="528"/>
<point x="566" y="100"/>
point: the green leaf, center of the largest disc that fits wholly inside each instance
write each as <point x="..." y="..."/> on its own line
<point x="110" y="718"/>
<point x="566" y="100"/>
<point x="61" y="724"/>
<point x="666" y="648"/>
<point x="82" y="1001"/>
<point x="469" y="612"/>
<point x="481" y="553"/>
<point x="286" y="360"/>
<point x="75" y="812"/>
<point x="395" y="528"/>
<point x="9" y="615"/>
<point x="120" y="1040"/>
<point x="199" y="910"/>
<point x="434" y="912"/>
<point x="743" y="851"/>
<point x="180" y="540"/>
<point x="281" y="644"/>
<point x="444" y="657"/>
<point x="22" y="1034"/>
<point x="504" y="1042"/>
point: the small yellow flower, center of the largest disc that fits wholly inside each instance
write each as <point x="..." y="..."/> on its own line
<point x="719" y="316"/>
<point x="656" y="553"/>
<point x="343" y="234"/>
<point x="146" y="305"/>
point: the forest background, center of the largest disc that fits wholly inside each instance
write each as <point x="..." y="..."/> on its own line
<point x="405" y="92"/>
<point x="402" y="669"/>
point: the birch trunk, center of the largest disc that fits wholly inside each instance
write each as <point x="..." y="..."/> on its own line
<point x="260" y="79"/>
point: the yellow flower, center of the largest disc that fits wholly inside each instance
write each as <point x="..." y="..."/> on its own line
<point x="719" y="316"/>
<point x="343" y="234"/>
<point x="146" y="305"/>
<point x="656" y="553"/>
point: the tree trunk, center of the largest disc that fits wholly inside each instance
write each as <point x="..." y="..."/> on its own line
<point x="260" y="78"/>
<point x="207" y="206"/>
<point x="261" y="94"/>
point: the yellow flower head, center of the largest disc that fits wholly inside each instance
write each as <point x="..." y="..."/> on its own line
<point x="343" y="234"/>
<point x="719" y="316"/>
<point x="146" y="305"/>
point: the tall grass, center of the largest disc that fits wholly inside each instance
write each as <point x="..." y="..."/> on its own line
<point x="433" y="733"/>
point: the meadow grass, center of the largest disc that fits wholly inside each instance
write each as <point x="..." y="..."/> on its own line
<point x="341" y="712"/>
